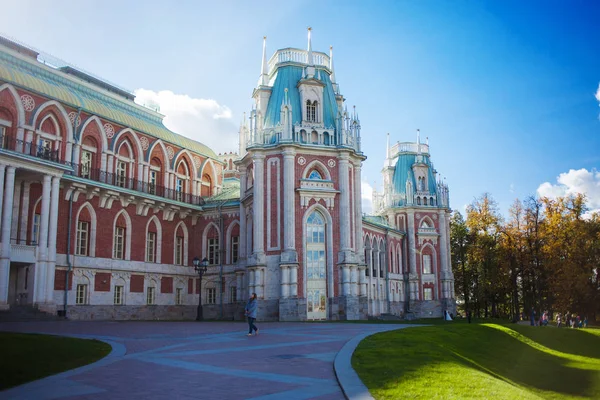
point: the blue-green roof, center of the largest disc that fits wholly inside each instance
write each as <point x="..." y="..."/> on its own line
<point x="403" y="171"/>
<point x="31" y="75"/>
<point x="288" y="77"/>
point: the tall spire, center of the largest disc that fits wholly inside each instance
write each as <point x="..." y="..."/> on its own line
<point x="310" y="54"/>
<point x="331" y="64"/>
<point x="264" y="74"/>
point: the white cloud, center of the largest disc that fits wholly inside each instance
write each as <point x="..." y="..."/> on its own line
<point x="574" y="182"/>
<point x="366" y="193"/>
<point x="203" y="120"/>
<point x="598" y="97"/>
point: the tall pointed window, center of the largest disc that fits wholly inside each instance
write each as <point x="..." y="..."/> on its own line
<point x="83" y="229"/>
<point x="86" y="164"/>
<point x="311" y="111"/>
<point x="316" y="266"/>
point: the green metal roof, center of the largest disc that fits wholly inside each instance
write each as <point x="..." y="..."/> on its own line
<point x="33" y="76"/>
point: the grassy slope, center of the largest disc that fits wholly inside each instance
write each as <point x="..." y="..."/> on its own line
<point x="481" y="361"/>
<point x="26" y="357"/>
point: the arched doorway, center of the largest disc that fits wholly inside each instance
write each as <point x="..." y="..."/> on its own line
<point x="316" y="264"/>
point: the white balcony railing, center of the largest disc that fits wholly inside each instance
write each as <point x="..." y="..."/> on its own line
<point x="297" y="56"/>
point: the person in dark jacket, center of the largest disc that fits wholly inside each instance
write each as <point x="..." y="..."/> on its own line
<point x="250" y="311"/>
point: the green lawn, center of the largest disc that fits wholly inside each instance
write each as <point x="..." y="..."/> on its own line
<point x="481" y="361"/>
<point x="26" y="357"/>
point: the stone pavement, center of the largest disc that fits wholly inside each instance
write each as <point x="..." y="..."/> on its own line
<point x="208" y="360"/>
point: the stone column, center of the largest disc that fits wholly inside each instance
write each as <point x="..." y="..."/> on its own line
<point x="344" y="205"/>
<point x="354" y="289"/>
<point x="6" y="229"/>
<point x="345" y="280"/>
<point x="243" y="233"/>
<point x="359" y="245"/>
<point x="259" y="209"/>
<point x="258" y="283"/>
<point x="251" y="282"/>
<point x="69" y="153"/>
<point x="2" y="173"/>
<point x="103" y="167"/>
<point x="362" y="280"/>
<point x="15" y="211"/>
<point x="285" y="281"/>
<point x="52" y="231"/>
<point x="293" y="281"/>
<point x="412" y="255"/>
<point x="24" y="213"/>
<point x="289" y="196"/>
<point x="239" y="275"/>
<point x="40" y="268"/>
<point x="146" y="178"/>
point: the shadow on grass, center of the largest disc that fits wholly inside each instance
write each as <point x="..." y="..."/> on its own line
<point x="582" y="342"/>
<point x="501" y="357"/>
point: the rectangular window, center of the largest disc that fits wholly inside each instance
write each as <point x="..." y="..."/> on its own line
<point x="121" y="177"/>
<point x="179" y="188"/>
<point x="179" y="296"/>
<point x="36" y="228"/>
<point x="152" y="187"/>
<point x="2" y="137"/>
<point x="235" y="245"/>
<point x="211" y="296"/>
<point x="427" y="293"/>
<point x="233" y="294"/>
<point x="150" y="296"/>
<point x="81" y="294"/>
<point x="179" y="250"/>
<point x="151" y="247"/>
<point x="213" y="251"/>
<point x="118" y="250"/>
<point x="426" y="264"/>
<point x="118" y="298"/>
<point x="86" y="164"/>
<point x="82" y="238"/>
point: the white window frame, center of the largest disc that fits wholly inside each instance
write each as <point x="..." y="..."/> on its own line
<point x="233" y="294"/>
<point x="87" y="158"/>
<point x="179" y="250"/>
<point x="151" y="247"/>
<point x="212" y="245"/>
<point x="81" y="292"/>
<point x="35" y="232"/>
<point x="119" y="243"/>
<point x="427" y="290"/>
<point x="121" y="173"/>
<point x="211" y="296"/>
<point x="83" y="238"/>
<point x="178" y="296"/>
<point x="118" y="295"/>
<point x="235" y="249"/>
<point x="150" y="295"/>
<point x="427" y="268"/>
<point x="152" y="178"/>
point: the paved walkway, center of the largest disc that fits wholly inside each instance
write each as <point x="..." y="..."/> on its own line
<point x="191" y="360"/>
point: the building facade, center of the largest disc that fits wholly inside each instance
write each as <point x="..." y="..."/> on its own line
<point x="103" y="208"/>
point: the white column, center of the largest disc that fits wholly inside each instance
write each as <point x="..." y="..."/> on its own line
<point x="362" y="280"/>
<point x="40" y="268"/>
<point x="15" y="211"/>
<point x="24" y="213"/>
<point x="294" y="281"/>
<point x="412" y="255"/>
<point x="354" y="289"/>
<point x="258" y="287"/>
<point x="289" y="197"/>
<point x="2" y="173"/>
<point x="259" y="209"/>
<point x="359" y="246"/>
<point x="243" y="233"/>
<point x="239" y="285"/>
<point x="285" y="281"/>
<point x="6" y="228"/>
<point x="344" y="203"/>
<point x="251" y="282"/>
<point x="345" y="280"/>
<point x="20" y="139"/>
<point x="443" y="242"/>
<point x="69" y="152"/>
<point x="52" y="231"/>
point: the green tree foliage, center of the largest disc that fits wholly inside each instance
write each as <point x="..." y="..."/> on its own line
<point x="545" y="257"/>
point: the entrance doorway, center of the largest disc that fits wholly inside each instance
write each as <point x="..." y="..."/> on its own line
<point x="316" y="266"/>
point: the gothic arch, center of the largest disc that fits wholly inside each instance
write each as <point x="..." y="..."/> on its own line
<point x="433" y="253"/>
<point x="93" y="226"/>
<point x="17" y="100"/>
<point x="98" y="122"/>
<point x="139" y="153"/>
<point x="158" y="238"/>
<point x="329" y="245"/>
<point x="319" y="166"/>
<point x="62" y="113"/>
<point x="185" y="242"/>
<point x="160" y="143"/>
<point x="230" y="228"/>
<point x="426" y="219"/>
<point x="128" y="227"/>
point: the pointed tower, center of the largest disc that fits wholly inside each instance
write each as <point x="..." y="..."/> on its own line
<point x="301" y="208"/>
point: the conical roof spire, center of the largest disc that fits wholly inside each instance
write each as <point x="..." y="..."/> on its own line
<point x="264" y="74"/>
<point x="310" y="54"/>
<point x="331" y="64"/>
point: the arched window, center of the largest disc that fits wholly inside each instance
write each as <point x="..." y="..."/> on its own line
<point x="311" y="111"/>
<point x="207" y="185"/>
<point x="425" y="201"/>
<point x="182" y="181"/>
<point x="316" y="266"/>
<point x="418" y="201"/>
<point x="315" y="174"/>
<point x="431" y="201"/>
<point x="154" y="177"/>
<point x="314" y="137"/>
<point x="326" y="140"/>
<point x="425" y="224"/>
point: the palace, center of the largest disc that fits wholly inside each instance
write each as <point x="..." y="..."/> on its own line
<point x="103" y="209"/>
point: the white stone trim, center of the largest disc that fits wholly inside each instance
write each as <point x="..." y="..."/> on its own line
<point x="328" y="247"/>
<point x="93" y="229"/>
<point x="128" y="228"/>
<point x="158" y="244"/>
<point x="19" y="105"/>
<point x="184" y="257"/>
<point x="228" y="241"/>
<point x="274" y="161"/>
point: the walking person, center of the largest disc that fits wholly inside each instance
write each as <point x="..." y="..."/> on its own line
<point x="250" y="311"/>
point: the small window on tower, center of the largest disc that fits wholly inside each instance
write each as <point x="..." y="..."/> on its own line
<point x="311" y="111"/>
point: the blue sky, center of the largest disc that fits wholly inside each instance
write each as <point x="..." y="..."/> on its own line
<point x="504" y="90"/>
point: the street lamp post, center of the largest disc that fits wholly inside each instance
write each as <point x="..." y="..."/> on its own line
<point x="200" y="267"/>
